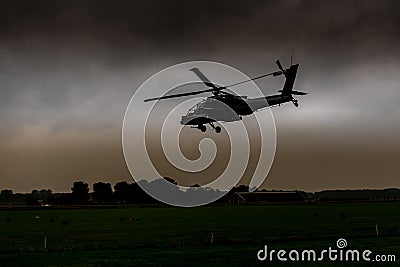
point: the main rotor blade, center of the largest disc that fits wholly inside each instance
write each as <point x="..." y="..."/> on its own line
<point x="179" y="95"/>
<point x="279" y="65"/>
<point x="204" y="79"/>
<point x="215" y="88"/>
<point x="275" y="73"/>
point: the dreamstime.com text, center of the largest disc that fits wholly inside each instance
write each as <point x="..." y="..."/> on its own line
<point x="338" y="253"/>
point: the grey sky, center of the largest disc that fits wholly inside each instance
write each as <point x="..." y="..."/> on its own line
<point x="68" y="69"/>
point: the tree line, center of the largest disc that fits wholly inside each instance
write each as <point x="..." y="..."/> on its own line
<point x="80" y="194"/>
<point x="103" y="193"/>
<point x="132" y="193"/>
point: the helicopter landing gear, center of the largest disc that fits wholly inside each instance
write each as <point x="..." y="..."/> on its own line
<point x="202" y="128"/>
<point x="295" y="103"/>
<point x="216" y="128"/>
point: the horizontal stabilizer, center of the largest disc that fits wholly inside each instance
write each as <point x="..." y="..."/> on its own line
<point x="298" y="93"/>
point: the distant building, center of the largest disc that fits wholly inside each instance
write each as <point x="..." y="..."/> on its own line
<point x="268" y="196"/>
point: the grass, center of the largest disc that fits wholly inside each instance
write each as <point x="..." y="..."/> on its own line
<point x="181" y="236"/>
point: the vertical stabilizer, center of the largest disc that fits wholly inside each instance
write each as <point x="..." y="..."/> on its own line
<point x="290" y="75"/>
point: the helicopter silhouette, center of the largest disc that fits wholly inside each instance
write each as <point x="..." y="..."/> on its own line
<point x="226" y="107"/>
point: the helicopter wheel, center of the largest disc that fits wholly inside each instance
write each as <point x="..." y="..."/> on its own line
<point x="217" y="129"/>
<point x="202" y="128"/>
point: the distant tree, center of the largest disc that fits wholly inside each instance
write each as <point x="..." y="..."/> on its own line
<point x="45" y="192"/>
<point x="122" y="191"/>
<point x="172" y="181"/>
<point x="51" y="199"/>
<point x="6" y="193"/>
<point x="35" y="194"/>
<point x="63" y="199"/>
<point x="242" y="188"/>
<point x="102" y="192"/>
<point x="80" y="192"/>
<point x="46" y="195"/>
<point x="138" y="195"/>
<point x="31" y="201"/>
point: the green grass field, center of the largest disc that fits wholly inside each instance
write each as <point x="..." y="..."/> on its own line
<point x="220" y="235"/>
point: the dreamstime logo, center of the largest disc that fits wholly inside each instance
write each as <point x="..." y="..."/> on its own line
<point x="155" y="144"/>
<point x="341" y="243"/>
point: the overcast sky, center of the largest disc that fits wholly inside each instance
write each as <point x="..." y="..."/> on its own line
<point x="69" y="68"/>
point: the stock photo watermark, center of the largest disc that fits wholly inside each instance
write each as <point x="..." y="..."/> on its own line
<point x="339" y="253"/>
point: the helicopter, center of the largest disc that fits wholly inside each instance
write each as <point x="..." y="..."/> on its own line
<point x="226" y="107"/>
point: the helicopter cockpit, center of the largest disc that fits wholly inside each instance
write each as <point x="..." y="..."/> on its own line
<point x="193" y="109"/>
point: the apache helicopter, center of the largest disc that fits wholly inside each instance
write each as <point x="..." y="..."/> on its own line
<point x="226" y="107"/>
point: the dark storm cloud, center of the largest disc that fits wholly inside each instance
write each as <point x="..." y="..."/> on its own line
<point x="68" y="69"/>
<point x="128" y="31"/>
<point x="324" y="25"/>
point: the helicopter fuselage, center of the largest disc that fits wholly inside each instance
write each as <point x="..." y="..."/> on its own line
<point x="228" y="108"/>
